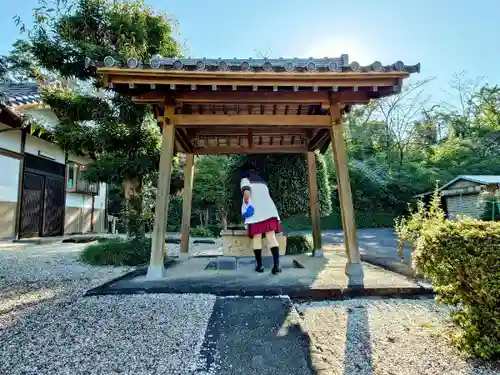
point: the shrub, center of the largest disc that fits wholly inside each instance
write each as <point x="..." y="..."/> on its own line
<point x="298" y="244"/>
<point x="463" y="261"/>
<point x="408" y="228"/>
<point x="118" y="252"/>
<point x="333" y="221"/>
<point x="286" y="176"/>
<point x="215" y="229"/>
<point x="200" y="231"/>
<point x="174" y="217"/>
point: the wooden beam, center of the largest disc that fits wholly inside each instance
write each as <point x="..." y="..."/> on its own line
<point x="238" y="97"/>
<point x="256" y="97"/>
<point x="156" y="268"/>
<point x="187" y="202"/>
<point x="221" y="150"/>
<point x="313" y="203"/>
<point x="344" y="188"/>
<point x="252" y="97"/>
<point x="316" y="121"/>
<point x="318" y="139"/>
<point x="241" y="131"/>
<point x="257" y="81"/>
<point x="183" y="140"/>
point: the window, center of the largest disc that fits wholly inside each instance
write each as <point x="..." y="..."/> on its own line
<point x="76" y="183"/>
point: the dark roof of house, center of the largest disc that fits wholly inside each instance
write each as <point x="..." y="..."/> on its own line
<point x="287" y="65"/>
<point x="13" y="95"/>
<point x="479" y="179"/>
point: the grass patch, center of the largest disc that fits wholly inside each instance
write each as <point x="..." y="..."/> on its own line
<point x="200" y="231"/>
<point x="298" y="244"/>
<point x="117" y="252"/>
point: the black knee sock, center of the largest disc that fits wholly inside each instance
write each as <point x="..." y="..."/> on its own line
<point x="258" y="257"/>
<point x="276" y="256"/>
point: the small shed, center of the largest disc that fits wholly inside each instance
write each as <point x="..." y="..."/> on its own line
<point x="462" y="195"/>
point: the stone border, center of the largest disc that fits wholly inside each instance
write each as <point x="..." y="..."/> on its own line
<point x="294" y="292"/>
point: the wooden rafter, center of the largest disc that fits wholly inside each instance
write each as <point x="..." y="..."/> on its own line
<point x="253" y="120"/>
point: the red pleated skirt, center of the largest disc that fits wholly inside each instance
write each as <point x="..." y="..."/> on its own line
<point x="269" y="225"/>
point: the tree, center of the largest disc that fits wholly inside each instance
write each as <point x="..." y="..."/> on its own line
<point x="400" y="114"/>
<point x="209" y="188"/>
<point x="121" y="137"/>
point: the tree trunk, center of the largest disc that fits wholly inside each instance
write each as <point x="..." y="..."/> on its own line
<point x="133" y="198"/>
<point x="207" y="216"/>
<point x="223" y="218"/>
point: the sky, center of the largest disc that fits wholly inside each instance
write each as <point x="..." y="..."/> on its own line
<point x="446" y="36"/>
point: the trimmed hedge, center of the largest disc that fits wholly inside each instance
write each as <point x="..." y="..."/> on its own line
<point x="298" y="244"/>
<point x="463" y="261"/>
<point x="118" y="252"/>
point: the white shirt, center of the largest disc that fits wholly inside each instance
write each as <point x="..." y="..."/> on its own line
<point x="261" y="200"/>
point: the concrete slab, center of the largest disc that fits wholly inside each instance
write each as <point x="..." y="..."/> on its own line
<point x="320" y="278"/>
<point x="247" y="336"/>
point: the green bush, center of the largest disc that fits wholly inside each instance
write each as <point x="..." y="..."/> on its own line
<point x="463" y="261"/>
<point x="118" y="252"/>
<point x="409" y="228"/>
<point x="174" y="218"/>
<point x="491" y="209"/>
<point x="200" y="231"/>
<point x="215" y="229"/>
<point x="286" y="176"/>
<point x="298" y="245"/>
<point x="333" y="221"/>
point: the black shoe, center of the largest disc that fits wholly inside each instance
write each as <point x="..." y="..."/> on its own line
<point x="276" y="260"/>
<point x="258" y="260"/>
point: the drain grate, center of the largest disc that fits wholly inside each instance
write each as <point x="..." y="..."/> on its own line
<point x="234" y="263"/>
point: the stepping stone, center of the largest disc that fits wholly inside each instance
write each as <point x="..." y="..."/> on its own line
<point x="226" y="263"/>
<point x="173" y="240"/>
<point x="211" y="242"/>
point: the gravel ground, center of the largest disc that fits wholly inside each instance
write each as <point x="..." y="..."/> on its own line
<point x="47" y="327"/>
<point x="50" y="263"/>
<point x="383" y="337"/>
<point x="197" y="249"/>
<point x="136" y="334"/>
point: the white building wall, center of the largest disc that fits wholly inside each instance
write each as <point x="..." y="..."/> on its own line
<point x="10" y="140"/>
<point x="51" y="150"/>
<point x="78" y="210"/>
<point x="79" y="207"/>
<point x="9" y="181"/>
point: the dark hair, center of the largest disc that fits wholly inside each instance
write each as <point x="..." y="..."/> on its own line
<point x="248" y="169"/>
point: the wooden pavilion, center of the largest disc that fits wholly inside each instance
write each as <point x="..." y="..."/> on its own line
<point x="236" y="106"/>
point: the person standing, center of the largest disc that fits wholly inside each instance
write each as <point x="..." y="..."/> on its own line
<point x="260" y="215"/>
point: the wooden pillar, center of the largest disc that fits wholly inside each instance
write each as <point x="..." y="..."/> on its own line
<point x="187" y="200"/>
<point x="313" y="203"/>
<point x="155" y="269"/>
<point x="354" y="268"/>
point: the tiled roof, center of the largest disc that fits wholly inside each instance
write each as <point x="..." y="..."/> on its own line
<point x="18" y="94"/>
<point x="286" y="65"/>
<point x="479" y="179"/>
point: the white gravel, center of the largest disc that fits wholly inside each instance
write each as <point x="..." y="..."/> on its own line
<point x="197" y="249"/>
<point x="50" y="263"/>
<point x="137" y="334"/>
<point x="384" y="337"/>
<point x="47" y="327"/>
